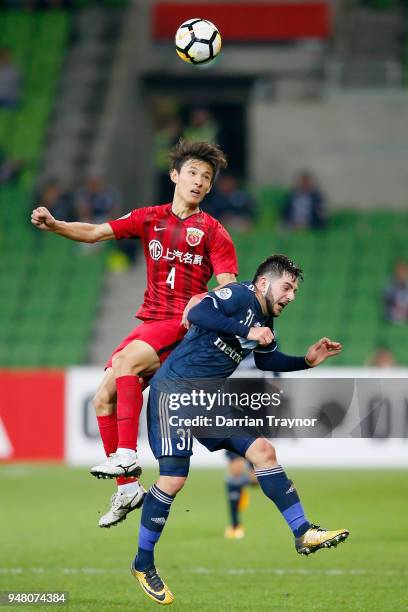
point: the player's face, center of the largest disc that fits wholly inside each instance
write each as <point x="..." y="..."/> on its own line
<point x="281" y="292"/>
<point x="193" y="182"/>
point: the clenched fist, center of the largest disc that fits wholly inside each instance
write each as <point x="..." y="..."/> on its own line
<point x="262" y="335"/>
<point x="43" y="219"/>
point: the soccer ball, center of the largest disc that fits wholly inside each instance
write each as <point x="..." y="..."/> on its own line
<point x="198" y="41"/>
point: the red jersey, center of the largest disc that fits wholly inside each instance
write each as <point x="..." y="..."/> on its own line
<point x="181" y="256"/>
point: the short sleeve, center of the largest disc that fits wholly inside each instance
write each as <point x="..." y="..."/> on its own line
<point x="130" y="225"/>
<point x="222" y="252"/>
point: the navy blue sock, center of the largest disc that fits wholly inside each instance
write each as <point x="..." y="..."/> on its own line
<point x="276" y="485"/>
<point x="234" y="486"/>
<point x="156" y="509"/>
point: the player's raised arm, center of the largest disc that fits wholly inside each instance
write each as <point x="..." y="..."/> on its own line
<point x="80" y="232"/>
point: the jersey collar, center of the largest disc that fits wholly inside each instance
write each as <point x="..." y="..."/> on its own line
<point x="198" y="212"/>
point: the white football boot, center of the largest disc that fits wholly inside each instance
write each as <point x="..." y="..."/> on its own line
<point x="123" y="464"/>
<point x="121" y="504"/>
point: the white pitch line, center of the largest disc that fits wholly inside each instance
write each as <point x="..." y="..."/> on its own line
<point x="299" y="572"/>
<point x="206" y="570"/>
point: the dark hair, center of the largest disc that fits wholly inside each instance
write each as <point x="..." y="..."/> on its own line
<point x="209" y="153"/>
<point x="277" y="265"/>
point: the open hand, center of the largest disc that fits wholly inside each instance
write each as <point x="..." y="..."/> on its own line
<point x="321" y="350"/>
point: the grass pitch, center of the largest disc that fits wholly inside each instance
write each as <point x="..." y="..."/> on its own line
<point x="50" y="541"/>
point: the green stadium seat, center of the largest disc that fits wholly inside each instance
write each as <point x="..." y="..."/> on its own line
<point x="346" y="269"/>
<point x="24" y="353"/>
<point x="66" y="354"/>
<point x="47" y="310"/>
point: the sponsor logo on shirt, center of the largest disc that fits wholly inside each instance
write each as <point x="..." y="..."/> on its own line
<point x="155" y="249"/>
<point x="228" y="350"/>
<point x="224" y="293"/>
<point x="194" y="236"/>
<point x="156" y="253"/>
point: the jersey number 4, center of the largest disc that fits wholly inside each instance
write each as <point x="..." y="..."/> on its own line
<point x="171" y="278"/>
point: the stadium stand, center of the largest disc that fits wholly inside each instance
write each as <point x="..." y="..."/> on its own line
<point x="346" y="269"/>
<point x="50" y="290"/>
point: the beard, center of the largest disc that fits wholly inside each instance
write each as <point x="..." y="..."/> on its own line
<point x="270" y="303"/>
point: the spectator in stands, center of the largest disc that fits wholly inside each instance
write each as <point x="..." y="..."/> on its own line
<point x="10" y="81"/>
<point x="58" y="201"/>
<point x="396" y="294"/>
<point x="233" y="206"/>
<point x="202" y="126"/>
<point x="9" y="168"/>
<point x="164" y="140"/>
<point x="305" y="205"/>
<point x="382" y="357"/>
<point x="95" y="202"/>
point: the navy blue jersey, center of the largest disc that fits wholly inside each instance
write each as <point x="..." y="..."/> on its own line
<point x="208" y="354"/>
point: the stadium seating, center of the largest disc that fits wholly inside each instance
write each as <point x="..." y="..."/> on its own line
<point x="346" y="269"/>
<point x="37" y="41"/>
<point x="50" y="289"/>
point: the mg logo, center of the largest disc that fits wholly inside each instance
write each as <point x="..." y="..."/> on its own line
<point x="155" y="249"/>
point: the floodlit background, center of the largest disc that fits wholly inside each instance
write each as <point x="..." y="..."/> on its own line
<point x="309" y="101"/>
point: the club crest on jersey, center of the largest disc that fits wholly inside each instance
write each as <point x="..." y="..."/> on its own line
<point x="194" y="236"/>
<point x="224" y="293"/>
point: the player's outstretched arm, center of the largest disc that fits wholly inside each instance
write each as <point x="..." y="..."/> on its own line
<point x="80" y="232"/>
<point x="322" y="350"/>
<point x="275" y="361"/>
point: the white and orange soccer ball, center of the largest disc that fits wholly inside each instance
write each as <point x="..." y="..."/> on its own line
<point x="198" y="41"/>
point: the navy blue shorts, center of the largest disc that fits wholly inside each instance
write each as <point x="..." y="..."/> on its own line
<point x="169" y="436"/>
<point x="231" y="456"/>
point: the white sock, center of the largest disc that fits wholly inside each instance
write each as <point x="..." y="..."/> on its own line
<point x="126" y="452"/>
<point x="130" y="487"/>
